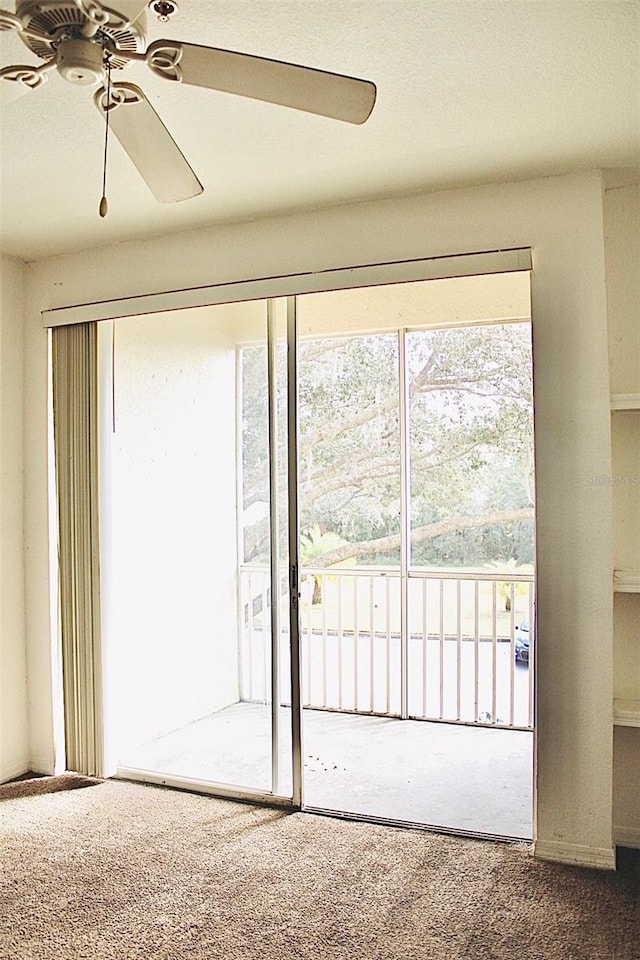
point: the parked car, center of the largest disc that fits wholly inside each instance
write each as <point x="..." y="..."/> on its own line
<point x="522" y="641"/>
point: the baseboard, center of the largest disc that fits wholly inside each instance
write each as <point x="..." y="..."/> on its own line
<point x="627" y="837"/>
<point x="600" y="858"/>
<point x="9" y="771"/>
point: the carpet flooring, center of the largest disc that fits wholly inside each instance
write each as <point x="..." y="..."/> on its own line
<point x="33" y="785"/>
<point x="125" y="870"/>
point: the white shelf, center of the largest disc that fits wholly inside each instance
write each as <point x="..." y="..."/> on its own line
<point x="626" y="713"/>
<point x="626" y="581"/>
<point x="625" y="401"/>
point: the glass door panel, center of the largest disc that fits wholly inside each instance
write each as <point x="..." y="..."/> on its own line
<point x="190" y="529"/>
<point x="416" y="505"/>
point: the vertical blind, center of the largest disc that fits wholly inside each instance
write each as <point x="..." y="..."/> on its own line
<point x="75" y="424"/>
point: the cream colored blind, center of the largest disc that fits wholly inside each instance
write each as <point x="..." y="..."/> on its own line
<point x="75" y="421"/>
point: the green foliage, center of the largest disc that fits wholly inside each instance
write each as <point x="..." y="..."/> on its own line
<point x="313" y="546"/>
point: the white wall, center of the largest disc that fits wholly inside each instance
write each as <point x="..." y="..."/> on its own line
<point x="173" y="560"/>
<point x="45" y="695"/>
<point x="562" y="219"/>
<point x="14" y="731"/>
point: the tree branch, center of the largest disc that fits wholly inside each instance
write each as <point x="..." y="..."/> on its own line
<point x="421" y="534"/>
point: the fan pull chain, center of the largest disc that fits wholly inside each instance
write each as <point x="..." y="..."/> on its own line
<point x="104" y="206"/>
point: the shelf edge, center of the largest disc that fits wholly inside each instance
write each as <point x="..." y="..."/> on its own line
<point x="626" y="713"/>
<point x="626" y="581"/>
<point x="625" y="401"/>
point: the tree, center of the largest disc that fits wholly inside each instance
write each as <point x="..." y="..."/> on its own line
<point x="471" y="460"/>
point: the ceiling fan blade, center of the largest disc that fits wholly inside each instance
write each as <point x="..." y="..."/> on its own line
<point x="20" y="79"/>
<point x="303" y="88"/>
<point x="9" y="21"/>
<point x="150" y="146"/>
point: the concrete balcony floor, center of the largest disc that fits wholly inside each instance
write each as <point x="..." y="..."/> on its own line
<point x="476" y="779"/>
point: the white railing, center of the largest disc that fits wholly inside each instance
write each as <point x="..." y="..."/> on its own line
<point x="456" y="651"/>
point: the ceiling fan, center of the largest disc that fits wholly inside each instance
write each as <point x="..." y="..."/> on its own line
<point x="85" y="40"/>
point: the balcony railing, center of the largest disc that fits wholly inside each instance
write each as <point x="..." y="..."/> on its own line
<point x="441" y="648"/>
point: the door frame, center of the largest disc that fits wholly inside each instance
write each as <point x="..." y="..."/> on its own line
<point x="266" y="288"/>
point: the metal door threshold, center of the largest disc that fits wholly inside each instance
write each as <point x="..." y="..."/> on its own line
<point x="416" y="825"/>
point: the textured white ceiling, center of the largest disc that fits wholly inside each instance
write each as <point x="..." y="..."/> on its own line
<point x="468" y="91"/>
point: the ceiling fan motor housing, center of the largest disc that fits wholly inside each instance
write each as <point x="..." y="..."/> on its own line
<point x="60" y="20"/>
<point x="80" y="62"/>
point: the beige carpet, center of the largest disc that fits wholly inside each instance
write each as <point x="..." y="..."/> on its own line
<point x="33" y="784"/>
<point x="130" y="871"/>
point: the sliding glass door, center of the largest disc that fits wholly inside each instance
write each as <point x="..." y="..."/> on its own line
<point x="195" y="531"/>
<point x="321" y="507"/>
<point x="417" y="548"/>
